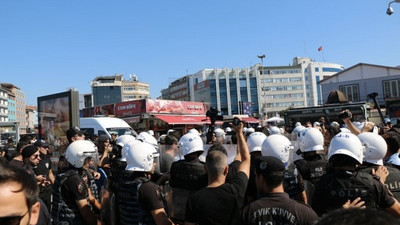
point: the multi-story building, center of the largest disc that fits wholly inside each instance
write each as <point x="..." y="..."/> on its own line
<point x="11" y="107"/>
<point x="3" y="105"/>
<point x="113" y="89"/>
<point x="31" y="118"/>
<point x="20" y="113"/>
<point x="228" y="90"/>
<point x="294" y="85"/>
<point x="264" y="90"/>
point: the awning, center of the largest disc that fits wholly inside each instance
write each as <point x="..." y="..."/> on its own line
<point x="250" y="120"/>
<point x="184" y="119"/>
<point x="134" y="119"/>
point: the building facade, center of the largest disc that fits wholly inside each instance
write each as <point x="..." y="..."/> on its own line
<point x="362" y="79"/>
<point x="113" y="89"/>
<point x="259" y="90"/>
<point x="20" y="107"/>
<point x="3" y="105"/>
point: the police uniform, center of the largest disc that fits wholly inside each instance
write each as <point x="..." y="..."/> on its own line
<point x="43" y="168"/>
<point x="293" y="184"/>
<point x="312" y="169"/>
<point x="392" y="180"/>
<point x="69" y="187"/>
<point x="188" y="175"/>
<point x="334" y="189"/>
<point x="137" y="197"/>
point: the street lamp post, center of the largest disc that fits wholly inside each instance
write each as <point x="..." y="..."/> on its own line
<point x="390" y="10"/>
<point x="263" y="56"/>
<point x="262" y="62"/>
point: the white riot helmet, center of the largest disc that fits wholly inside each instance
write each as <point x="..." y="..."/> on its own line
<point x="255" y="140"/>
<point x="394" y="159"/>
<point x="147" y="138"/>
<point x="311" y="139"/>
<point x="190" y="143"/>
<point x="78" y="151"/>
<point x="278" y="146"/>
<point x="219" y="132"/>
<point x="345" y="130"/>
<point x="250" y="130"/>
<point x="244" y="130"/>
<point x="151" y="132"/>
<point x="346" y="144"/>
<point x="335" y="124"/>
<point x="125" y="148"/>
<point x="123" y="139"/>
<point x="274" y="130"/>
<point x="228" y="129"/>
<point x="194" y="131"/>
<point x="297" y="124"/>
<point x="375" y="147"/>
<point x="316" y="124"/>
<point x="140" y="156"/>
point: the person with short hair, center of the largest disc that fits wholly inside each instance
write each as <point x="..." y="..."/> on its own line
<point x="220" y="202"/>
<point x="18" y="196"/>
<point x="44" y="169"/>
<point x="75" y="133"/>
<point x="274" y="206"/>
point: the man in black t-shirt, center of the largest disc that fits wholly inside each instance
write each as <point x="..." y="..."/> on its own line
<point x="274" y="206"/>
<point x="220" y="202"/>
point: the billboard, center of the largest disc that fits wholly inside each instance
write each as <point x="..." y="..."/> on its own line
<point x="57" y="113"/>
<point x="175" y="107"/>
<point x="130" y="108"/>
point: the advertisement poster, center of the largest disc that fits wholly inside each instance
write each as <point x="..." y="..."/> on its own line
<point x="56" y="114"/>
<point x="175" y="107"/>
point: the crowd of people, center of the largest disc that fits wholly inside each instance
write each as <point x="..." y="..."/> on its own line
<point x="343" y="172"/>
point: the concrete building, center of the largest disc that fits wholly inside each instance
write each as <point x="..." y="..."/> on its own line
<point x="3" y="105"/>
<point x="294" y="85"/>
<point x="228" y="90"/>
<point x="258" y="90"/>
<point x="113" y="89"/>
<point x="20" y="110"/>
<point x="362" y="79"/>
<point x="31" y="118"/>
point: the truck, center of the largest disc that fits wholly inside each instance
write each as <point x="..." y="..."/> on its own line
<point x="360" y="111"/>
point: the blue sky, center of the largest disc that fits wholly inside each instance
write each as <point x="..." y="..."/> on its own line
<point x="47" y="47"/>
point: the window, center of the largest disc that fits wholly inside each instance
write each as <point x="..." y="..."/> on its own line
<point x="326" y="69"/>
<point x="391" y="88"/>
<point x="351" y="92"/>
<point x="316" y="69"/>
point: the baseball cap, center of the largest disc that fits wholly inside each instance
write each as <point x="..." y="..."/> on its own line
<point x="41" y="143"/>
<point x="269" y="166"/>
<point x="29" y="150"/>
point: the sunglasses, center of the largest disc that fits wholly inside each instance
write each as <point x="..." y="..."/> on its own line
<point x="12" y="220"/>
<point x="36" y="156"/>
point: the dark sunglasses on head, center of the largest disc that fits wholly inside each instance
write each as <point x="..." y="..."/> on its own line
<point x="12" y="220"/>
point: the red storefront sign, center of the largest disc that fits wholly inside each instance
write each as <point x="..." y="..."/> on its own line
<point x="130" y="108"/>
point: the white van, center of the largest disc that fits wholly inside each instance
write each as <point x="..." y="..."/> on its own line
<point x="105" y="125"/>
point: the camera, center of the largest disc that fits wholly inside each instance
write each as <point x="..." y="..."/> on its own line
<point x="344" y="115"/>
<point x="389" y="11"/>
<point x="236" y="121"/>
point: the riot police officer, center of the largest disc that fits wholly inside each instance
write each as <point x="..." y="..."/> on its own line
<point x="375" y="150"/>
<point x="70" y="192"/>
<point x="346" y="183"/>
<point x="139" y="198"/>
<point x="313" y="165"/>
